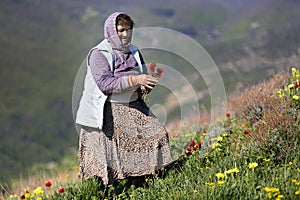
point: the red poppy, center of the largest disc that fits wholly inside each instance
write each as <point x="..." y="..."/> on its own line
<point x="227" y="114"/>
<point x="198" y="145"/>
<point x="246" y="132"/>
<point x="192" y="143"/>
<point x="61" y="190"/>
<point x="297" y="83"/>
<point x="152" y="66"/>
<point x="48" y="184"/>
<point x="159" y="72"/>
<point x="22" y="197"/>
<point x="189" y="149"/>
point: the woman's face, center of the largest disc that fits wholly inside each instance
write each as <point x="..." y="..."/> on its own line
<point x="124" y="33"/>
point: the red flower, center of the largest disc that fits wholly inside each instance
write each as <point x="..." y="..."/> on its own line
<point x="48" y="184"/>
<point x="61" y="190"/>
<point x="22" y="197"/>
<point x="152" y="67"/>
<point x="175" y="136"/>
<point x="246" y="132"/>
<point x="198" y="145"/>
<point x="227" y="114"/>
<point x="297" y="83"/>
<point x="207" y="149"/>
<point x="192" y="143"/>
<point x="189" y="149"/>
<point x="159" y="72"/>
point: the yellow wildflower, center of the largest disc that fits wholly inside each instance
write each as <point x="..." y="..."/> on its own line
<point x="38" y="191"/>
<point x="252" y="165"/>
<point x="290" y="85"/>
<point x="294" y="70"/>
<point x="220" y="139"/>
<point x="267" y="160"/>
<point x="294" y="180"/>
<point x="196" y="191"/>
<point x="221" y="182"/>
<point x="280" y="94"/>
<point x="39" y="198"/>
<point x="270" y="189"/>
<point x="220" y="175"/>
<point x="27" y="195"/>
<point x="296" y="97"/>
<point x="215" y="145"/>
<point x="211" y="185"/>
<point x="131" y="196"/>
<point x="297" y="192"/>
<point x="279" y="197"/>
<point x="234" y="170"/>
<point x="270" y="195"/>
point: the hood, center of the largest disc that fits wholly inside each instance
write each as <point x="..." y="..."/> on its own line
<point x="110" y="33"/>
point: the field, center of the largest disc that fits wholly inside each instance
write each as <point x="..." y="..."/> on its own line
<point x="251" y="153"/>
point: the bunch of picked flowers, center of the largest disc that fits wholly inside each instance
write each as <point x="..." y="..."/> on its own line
<point x="155" y="72"/>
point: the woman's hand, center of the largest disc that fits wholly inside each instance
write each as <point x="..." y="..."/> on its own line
<point x="144" y="80"/>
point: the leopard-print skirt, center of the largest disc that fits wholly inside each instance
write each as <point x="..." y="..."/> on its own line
<point x="131" y="143"/>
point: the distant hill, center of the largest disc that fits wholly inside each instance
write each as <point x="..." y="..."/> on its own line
<point x="42" y="45"/>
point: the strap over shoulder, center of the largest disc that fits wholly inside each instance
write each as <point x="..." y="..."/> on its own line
<point x="135" y="51"/>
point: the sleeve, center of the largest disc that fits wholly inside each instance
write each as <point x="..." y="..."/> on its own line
<point x="104" y="78"/>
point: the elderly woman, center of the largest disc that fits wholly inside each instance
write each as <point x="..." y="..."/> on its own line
<point x="119" y="135"/>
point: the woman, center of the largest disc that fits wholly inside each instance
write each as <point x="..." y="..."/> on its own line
<point x="119" y="136"/>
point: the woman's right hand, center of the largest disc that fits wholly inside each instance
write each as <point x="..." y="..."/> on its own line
<point x="144" y="80"/>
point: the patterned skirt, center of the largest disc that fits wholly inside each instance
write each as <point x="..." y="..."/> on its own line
<point x="131" y="143"/>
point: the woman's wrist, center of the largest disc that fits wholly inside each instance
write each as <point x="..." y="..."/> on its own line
<point x="130" y="81"/>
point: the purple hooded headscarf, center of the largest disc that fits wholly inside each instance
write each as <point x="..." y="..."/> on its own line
<point x="110" y="33"/>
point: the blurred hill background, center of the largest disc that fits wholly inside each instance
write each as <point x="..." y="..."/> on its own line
<point x="43" y="43"/>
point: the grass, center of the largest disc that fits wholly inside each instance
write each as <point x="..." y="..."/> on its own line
<point x="253" y="153"/>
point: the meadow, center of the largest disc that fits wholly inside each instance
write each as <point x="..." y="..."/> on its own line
<point x="251" y="153"/>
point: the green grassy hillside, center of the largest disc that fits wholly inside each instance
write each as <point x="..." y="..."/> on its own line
<point x="252" y="152"/>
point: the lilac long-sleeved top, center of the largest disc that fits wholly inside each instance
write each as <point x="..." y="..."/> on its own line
<point x="117" y="82"/>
